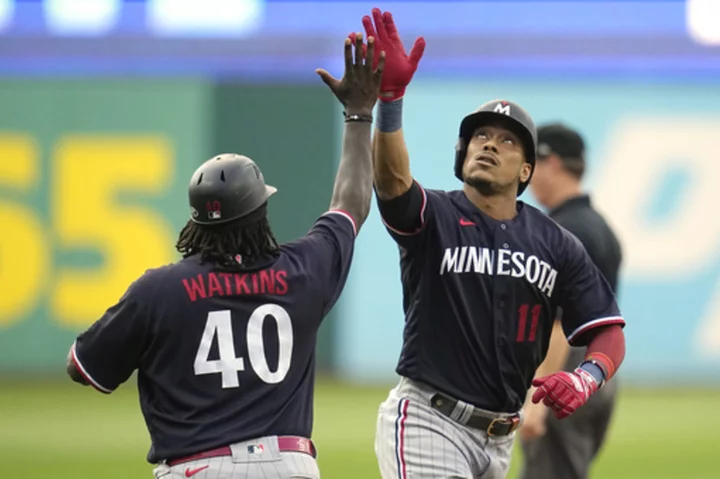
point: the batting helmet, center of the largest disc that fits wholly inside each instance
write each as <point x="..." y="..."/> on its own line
<point x="503" y="113"/>
<point x="225" y="188"/>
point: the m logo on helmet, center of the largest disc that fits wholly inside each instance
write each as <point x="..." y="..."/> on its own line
<point x="503" y="108"/>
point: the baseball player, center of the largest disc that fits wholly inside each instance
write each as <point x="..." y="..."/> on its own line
<point x="565" y="449"/>
<point x="224" y="340"/>
<point x="483" y="277"/>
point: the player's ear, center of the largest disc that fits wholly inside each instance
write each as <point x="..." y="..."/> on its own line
<point x="525" y="172"/>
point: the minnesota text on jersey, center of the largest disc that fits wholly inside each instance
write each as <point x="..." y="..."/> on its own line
<point x="481" y="260"/>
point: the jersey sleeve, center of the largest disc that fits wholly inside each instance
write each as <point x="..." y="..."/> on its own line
<point x="331" y="243"/>
<point x="406" y="217"/>
<point x="586" y="299"/>
<point x="108" y="352"/>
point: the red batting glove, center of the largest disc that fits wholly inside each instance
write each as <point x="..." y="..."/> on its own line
<point x="399" y="67"/>
<point x="564" y="392"/>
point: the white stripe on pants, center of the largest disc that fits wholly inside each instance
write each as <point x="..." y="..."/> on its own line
<point x="412" y="440"/>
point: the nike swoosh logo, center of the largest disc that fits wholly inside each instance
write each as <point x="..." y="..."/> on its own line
<point x="191" y="472"/>
<point x="464" y="222"/>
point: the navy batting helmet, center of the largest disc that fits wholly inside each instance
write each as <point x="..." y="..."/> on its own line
<point x="503" y="113"/>
<point x="225" y="188"/>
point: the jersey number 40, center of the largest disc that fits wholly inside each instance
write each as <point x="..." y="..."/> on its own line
<point x="219" y="324"/>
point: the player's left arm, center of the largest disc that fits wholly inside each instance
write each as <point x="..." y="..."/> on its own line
<point x="106" y="354"/>
<point x="591" y="318"/>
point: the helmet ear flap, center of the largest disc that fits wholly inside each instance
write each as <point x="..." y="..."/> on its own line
<point x="460" y="150"/>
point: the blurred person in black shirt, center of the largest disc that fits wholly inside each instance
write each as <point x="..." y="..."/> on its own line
<point x="565" y="449"/>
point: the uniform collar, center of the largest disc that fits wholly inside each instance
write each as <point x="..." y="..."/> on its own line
<point x="582" y="200"/>
<point x="259" y="263"/>
<point x="474" y="210"/>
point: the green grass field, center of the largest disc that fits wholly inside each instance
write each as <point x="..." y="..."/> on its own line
<point x="55" y="431"/>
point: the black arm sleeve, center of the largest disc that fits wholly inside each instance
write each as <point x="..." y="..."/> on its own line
<point x="405" y="215"/>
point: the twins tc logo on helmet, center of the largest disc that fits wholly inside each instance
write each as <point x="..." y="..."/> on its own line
<point x="502" y="107"/>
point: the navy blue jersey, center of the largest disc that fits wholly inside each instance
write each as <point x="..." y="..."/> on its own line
<point x="222" y="356"/>
<point x="480" y="295"/>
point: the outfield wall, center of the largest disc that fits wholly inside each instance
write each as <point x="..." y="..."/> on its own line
<point x="93" y="178"/>
<point x="93" y="189"/>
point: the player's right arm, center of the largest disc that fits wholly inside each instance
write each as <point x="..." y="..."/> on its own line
<point x="400" y="199"/>
<point x="390" y="154"/>
<point x="106" y="354"/>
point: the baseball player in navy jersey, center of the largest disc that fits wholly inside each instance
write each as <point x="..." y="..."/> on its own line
<point x="483" y="277"/>
<point x="223" y="340"/>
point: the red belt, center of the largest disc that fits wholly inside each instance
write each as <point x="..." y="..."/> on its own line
<point x="285" y="444"/>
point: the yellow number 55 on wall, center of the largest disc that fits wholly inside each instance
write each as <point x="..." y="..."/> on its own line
<point x="91" y="179"/>
<point x="23" y="245"/>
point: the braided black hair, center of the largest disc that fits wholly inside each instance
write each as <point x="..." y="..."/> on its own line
<point x="220" y="244"/>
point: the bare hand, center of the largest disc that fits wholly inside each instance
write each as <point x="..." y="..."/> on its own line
<point x="533" y="425"/>
<point x="359" y="87"/>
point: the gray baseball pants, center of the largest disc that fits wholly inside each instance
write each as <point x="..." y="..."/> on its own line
<point x="414" y="441"/>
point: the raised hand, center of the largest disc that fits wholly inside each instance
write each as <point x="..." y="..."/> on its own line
<point x="400" y="67"/>
<point x="359" y="88"/>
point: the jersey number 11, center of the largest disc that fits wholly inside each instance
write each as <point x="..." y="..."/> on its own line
<point x="522" y="322"/>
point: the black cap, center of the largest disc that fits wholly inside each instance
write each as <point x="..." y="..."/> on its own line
<point x="561" y="140"/>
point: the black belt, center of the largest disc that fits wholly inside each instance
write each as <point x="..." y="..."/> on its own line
<point x="498" y="426"/>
